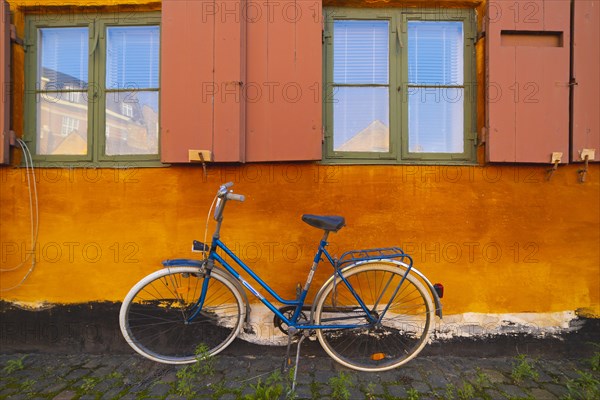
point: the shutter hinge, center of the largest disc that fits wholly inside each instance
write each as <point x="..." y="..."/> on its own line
<point x="15" y="38"/>
<point x="474" y="139"/>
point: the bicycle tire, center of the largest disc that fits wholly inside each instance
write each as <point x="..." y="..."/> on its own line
<point x="396" y="339"/>
<point x="154" y="315"/>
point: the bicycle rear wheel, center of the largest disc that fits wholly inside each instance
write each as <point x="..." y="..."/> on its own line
<point x="155" y="315"/>
<point x="397" y="338"/>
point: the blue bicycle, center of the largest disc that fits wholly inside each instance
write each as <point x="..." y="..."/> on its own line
<point x="373" y="314"/>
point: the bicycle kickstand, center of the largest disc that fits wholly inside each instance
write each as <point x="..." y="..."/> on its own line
<point x="288" y="360"/>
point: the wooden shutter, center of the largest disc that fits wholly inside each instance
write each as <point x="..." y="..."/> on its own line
<point x="586" y="59"/>
<point x="283" y="93"/>
<point x="241" y="79"/>
<point x="4" y="82"/>
<point x="528" y="80"/>
<point x="202" y="68"/>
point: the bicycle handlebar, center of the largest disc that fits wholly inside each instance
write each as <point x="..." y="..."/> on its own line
<point x="224" y="194"/>
<point x="236" y="197"/>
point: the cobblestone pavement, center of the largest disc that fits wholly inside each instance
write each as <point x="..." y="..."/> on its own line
<point x="255" y="374"/>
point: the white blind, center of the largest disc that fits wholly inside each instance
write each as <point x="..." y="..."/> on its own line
<point x="132" y="60"/>
<point x="361" y="113"/>
<point x="435" y="114"/>
<point x="361" y="54"/>
<point x="435" y="53"/>
<point x="64" y="58"/>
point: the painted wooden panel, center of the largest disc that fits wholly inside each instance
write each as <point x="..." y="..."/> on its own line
<point x="4" y="82"/>
<point x="497" y="98"/>
<point x="201" y="76"/>
<point x="284" y="81"/>
<point x="241" y="79"/>
<point x="586" y="62"/>
<point x="229" y="77"/>
<point x="186" y="79"/>
<point x="528" y="75"/>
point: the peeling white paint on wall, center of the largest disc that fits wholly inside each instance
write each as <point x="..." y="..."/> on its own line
<point x="467" y="325"/>
<point x="473" y="325"/>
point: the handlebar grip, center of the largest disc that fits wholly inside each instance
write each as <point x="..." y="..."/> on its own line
<point x="236" y="197"/>
<point x="228" y="185"/>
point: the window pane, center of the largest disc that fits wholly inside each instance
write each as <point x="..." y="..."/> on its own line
<point x="61" y="124"/>
<point x="435" y="53"/>
<point x="63" y="58"/>
<point x="360" y="51"/>
<point x="435" y="120"/>
<point x="132" y="123"/>
<point x="361" y="119"/>
<point x="132" y="57"/>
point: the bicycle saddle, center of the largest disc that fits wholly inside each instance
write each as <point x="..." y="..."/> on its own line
<point x="330" y="223"/>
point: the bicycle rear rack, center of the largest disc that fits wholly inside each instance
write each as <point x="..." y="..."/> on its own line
<point x="383" y="253"/>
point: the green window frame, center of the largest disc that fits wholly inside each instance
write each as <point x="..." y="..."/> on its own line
<point x="117" y="120"/>
<point x="402" y="27"/>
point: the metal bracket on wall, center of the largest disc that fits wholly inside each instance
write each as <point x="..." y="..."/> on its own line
<point x="586" y="155"/>
<point x="202" y="156"/>
<point x="555" y="160"/>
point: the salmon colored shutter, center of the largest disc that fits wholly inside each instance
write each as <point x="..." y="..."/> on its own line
<point x="283" y="92"/>
<point x="229" y="78"/>
<point x="201" y="74"/>
<point x="586" y="61"/>
<point x="4" y="81"/>
<point x="528" y="80"/>
<point x="241" y="79"/>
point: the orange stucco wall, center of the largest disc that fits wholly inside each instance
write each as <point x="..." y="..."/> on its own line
<point x="502" y="239"/>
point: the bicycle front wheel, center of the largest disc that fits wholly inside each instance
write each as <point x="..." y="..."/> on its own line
<point x="156" y="315"/>
<point x="402" y="308"/>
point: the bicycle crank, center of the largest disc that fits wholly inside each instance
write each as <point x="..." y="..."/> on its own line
<point x="288" y="312"/>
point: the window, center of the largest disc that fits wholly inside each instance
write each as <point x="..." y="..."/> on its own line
<point x="88" y="76"/>
<point x="399" y="86"/>
<point x="361" y="86"/>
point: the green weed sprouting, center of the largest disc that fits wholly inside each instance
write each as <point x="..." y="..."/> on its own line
<point x="271" y="389"/>
<point x="89" y="383"/>
<point x="14" y="365"/>
<point x="523" y="369"/>
<point x="467" y="391"/>
<point x="412" y="394"/>
<point x="584" y="387"/>
<point x="594" y="361"/>
<point x="186" y="376"/>
<point x="340" y="386"/>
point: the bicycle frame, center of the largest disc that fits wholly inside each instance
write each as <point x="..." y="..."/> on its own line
<point x="298" y="303"/>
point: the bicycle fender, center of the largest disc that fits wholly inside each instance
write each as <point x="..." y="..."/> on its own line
<point x="182" y="262"/>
